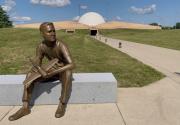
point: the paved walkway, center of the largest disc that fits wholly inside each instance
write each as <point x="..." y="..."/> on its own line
<point x="158" y="103"/>
<point x="155" y="104"/>
<point x="164" y="60"/>
<point x="76" y="114"/>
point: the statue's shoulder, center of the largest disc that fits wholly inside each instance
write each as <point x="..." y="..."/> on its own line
<point x="61" y="43"/>
<point x="41" y="46"/>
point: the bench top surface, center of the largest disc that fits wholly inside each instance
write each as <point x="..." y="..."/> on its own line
<point x="78" y="77"/>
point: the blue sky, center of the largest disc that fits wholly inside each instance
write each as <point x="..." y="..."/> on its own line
<point x="164" y="12"/>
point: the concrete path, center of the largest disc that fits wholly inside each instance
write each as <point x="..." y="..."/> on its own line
<point x="164" y="60"/>
<point x="81" y="114"/>
<point x="85" y="114"/>
<point x="157" y="103"/>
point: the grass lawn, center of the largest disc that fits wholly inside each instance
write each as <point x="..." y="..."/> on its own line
<point x="162" y="38"/>
<point x="89" y="56"/>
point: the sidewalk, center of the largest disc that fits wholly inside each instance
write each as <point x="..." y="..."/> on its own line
<point x="155" y="104"/>
<point x="159" y="102"/>
<point x="76" y="114"/>
<point x="164" y="60"/>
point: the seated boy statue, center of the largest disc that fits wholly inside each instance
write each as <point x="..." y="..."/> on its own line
<point x="61" y="69"/>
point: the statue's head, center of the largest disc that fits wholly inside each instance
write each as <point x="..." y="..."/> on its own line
<point x="48" y="31"/>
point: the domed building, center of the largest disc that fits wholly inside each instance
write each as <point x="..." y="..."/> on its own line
<point x="91" y="19"/>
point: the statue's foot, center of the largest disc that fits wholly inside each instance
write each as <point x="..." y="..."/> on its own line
<point x="20" y="113"/>
<point x="60" y="110"/>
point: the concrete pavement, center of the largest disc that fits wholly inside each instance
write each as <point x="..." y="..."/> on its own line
<point x="76" y="114"/>
<point x="159" y="102"/>
<point x="164" y="60"/>
<point x="155" y="104"/>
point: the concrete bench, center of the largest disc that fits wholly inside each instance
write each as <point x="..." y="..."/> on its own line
<point x="86" y="88"/>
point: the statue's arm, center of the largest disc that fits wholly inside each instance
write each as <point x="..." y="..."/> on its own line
<point x="37" y="60"/>
<point x="39" y="55"/>
<point x="34" y="73"/>
<point x="69" y="64"/>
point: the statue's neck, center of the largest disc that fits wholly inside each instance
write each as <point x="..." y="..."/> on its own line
<point x="50" y="43"/>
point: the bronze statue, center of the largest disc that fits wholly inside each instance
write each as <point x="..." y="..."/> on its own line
<point x="59" y="68"/>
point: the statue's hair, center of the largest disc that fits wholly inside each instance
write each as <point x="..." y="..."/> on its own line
<point x="45" y="24"/>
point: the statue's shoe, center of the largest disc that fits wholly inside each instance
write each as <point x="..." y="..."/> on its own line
<point x="60" y="110"/>
<point x="20" y="113"/>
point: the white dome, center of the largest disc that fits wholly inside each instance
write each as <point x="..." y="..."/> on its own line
<point x="91" y="19"/>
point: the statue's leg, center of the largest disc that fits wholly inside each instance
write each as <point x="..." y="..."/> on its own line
<point x="27" y="94"/>
<point x="66" y="80"/>
<point x="24" y="110"/>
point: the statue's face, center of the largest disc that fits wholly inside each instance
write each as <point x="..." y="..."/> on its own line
<point x="49" y="33"/>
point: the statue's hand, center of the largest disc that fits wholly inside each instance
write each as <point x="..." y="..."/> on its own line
<point x="26" y="86"/>
<point x="44" y="74"/>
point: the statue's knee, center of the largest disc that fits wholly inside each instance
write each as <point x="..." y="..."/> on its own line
<point x="66" y="76"/>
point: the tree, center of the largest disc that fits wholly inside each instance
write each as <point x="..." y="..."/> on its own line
<point x="154" y="24"/>
<point x="4" y="19"/>
<point x="178" y="25"/>
<point x="174" y="27"/>
<point x="167" y="28"/>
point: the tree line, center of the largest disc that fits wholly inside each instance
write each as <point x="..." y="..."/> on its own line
<point x="176" y="26"/>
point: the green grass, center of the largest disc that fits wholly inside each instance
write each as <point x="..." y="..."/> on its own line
<point x="89" y="56"/>
<point x="162" y="38"/>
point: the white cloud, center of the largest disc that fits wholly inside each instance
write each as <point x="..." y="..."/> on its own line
<point x="53" y="3"/>
<point x="76" y="18"/>
<point x="21" y="19"/>
<point x="145" y="10"/>
<point x="34" y="1"/>
<point x="118" y="18"/>
<point x="8" y="5"/>
<point x="83" y="7"/>
<point x="6" y="8"/>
